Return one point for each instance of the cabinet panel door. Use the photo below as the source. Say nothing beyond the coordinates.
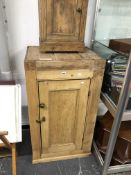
(64, 111)
(60, 19)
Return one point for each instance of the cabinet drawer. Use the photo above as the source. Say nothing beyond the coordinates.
(64, 74)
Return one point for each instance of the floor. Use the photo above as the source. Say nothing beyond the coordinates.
(83, 166)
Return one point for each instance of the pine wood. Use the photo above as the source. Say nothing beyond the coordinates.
(64, 75)
(69, 87)
(92, 108)
(33, 103)
(62, 24)
(61, 157)
(11, 147)
(13, 159)
(64, 126)
(5, 141)
(3, 133)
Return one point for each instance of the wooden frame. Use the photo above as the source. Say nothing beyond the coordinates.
(11, 147)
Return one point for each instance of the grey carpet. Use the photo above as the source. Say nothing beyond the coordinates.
(83, 166)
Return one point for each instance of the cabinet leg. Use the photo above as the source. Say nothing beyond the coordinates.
(13, 159)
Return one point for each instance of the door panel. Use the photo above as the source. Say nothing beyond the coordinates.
(63, 20)
(64, 111)
(62, 116)
(62, 25)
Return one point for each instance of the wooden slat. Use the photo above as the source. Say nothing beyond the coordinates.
(33, 103)
(81, 112)
(3, 133)
(13, 159)
(33, 53)
(5, 141)
(63, 47)
(83, 20)
(70, 156)
(64, 74)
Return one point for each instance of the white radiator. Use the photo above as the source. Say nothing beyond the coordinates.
(10, 112)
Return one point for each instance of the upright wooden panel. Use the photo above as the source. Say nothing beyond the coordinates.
(33, 110)
(62, 24)
(62, 116)
(63, 19)
(65, 111)
(92, 108)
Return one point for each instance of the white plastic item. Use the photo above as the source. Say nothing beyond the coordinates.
(10, 112)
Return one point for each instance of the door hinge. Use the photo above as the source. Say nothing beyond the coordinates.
(43, 119)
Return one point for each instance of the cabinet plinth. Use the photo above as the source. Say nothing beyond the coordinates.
(63, 93)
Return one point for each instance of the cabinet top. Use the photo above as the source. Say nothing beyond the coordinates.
(76, 60)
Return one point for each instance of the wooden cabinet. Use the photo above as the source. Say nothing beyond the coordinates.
(62, 24)
(63, 93)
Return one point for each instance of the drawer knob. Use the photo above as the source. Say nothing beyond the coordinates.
(42, 105)
(41, 120)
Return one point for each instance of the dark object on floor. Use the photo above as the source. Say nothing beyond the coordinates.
(122, 151)
(24, 148)
(129, 104)
(4, 152)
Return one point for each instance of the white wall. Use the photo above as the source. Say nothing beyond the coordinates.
(23, 27)
(23, 31)
(5, 72)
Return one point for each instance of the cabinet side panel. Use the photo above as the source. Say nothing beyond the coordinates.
(32, 94)
(92, 106)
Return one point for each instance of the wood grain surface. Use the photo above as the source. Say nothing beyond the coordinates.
(63, 93)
